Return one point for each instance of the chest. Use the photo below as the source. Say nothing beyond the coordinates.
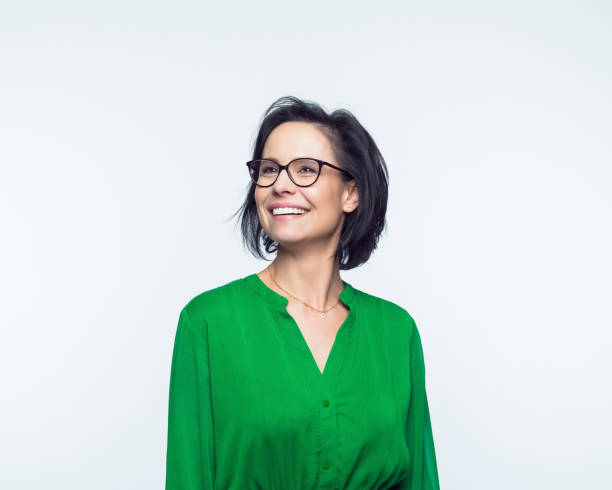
(319, 333)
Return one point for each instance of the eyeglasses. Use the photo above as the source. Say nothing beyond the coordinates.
(303, 172)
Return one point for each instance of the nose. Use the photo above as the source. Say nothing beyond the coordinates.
(283, 181)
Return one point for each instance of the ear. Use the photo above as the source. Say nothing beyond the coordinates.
(351, 197)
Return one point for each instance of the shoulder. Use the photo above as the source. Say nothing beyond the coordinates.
(206, 307)
(387, 311)
(397, 324)
(210, 302)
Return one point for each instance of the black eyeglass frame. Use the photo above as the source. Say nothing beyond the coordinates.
(286, 167)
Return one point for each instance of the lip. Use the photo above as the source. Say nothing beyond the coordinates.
(285, 205)
(287, 217)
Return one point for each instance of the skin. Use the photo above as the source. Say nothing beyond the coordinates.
(304, 264)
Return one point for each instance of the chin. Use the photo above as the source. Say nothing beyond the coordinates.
(288, 240)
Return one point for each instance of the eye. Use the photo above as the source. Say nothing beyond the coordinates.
(306, 166)
(267, 168)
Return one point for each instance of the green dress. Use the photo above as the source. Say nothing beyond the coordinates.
(250, 409)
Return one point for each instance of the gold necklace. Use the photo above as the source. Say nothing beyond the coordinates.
(322, 312)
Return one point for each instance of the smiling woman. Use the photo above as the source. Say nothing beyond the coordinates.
(291, 378)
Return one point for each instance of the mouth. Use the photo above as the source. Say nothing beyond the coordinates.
(288, 216)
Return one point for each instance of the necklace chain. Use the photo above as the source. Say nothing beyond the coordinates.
(322, 312)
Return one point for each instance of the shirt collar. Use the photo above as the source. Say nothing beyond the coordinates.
(253, 281)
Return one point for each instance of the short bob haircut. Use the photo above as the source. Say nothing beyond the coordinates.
(356, 152)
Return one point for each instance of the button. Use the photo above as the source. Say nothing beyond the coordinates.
(326, 403)
(326, 466)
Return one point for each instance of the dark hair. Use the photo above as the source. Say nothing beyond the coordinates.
(356, 153)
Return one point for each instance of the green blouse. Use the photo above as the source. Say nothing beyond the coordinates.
(250, 409)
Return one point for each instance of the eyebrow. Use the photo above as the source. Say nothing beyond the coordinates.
(296, 158)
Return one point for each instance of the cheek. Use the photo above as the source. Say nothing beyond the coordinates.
(258, 200)
(321, 196)
(258, 196)
(328, 202)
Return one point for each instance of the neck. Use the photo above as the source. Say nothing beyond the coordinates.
(314, 279)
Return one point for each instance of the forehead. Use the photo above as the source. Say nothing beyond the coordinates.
(294, 139)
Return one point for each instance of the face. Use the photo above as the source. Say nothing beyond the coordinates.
(325, 201)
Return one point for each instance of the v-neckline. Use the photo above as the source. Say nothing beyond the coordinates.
(292, 333)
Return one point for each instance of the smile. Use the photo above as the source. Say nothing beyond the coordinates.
(285, 214)
(277, 211)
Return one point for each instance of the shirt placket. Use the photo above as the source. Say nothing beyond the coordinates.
(322, 386)
(328, 439)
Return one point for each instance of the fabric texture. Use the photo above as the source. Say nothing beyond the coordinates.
(250, 409)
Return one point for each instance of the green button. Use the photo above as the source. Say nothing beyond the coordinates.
(326, 403)
(326, 466)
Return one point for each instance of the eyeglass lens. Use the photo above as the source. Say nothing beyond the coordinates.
(303, 171)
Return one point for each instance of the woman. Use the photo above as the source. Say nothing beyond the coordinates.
(291, 378)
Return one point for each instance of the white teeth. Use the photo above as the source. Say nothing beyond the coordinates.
(276, 211)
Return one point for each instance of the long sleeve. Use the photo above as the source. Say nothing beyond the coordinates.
(424, 470)
(190, 449)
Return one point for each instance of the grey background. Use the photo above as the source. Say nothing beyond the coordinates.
(124, 128)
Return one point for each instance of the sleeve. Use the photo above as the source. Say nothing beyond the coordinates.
(190, 449)
(419, 435)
